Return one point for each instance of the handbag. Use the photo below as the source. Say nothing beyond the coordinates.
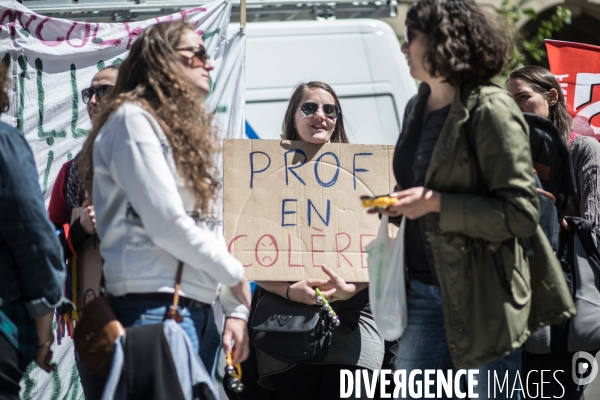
(98, 329)
(387, 288)
(291, 332)
(88, 265)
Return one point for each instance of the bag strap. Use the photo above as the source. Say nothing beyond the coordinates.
(177, 285)
(171, 312)
(102, 280)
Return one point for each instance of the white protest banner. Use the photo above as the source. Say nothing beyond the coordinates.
(290, 207)
(50, 61)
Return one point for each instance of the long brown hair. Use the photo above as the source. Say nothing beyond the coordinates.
(289, 126)
(464, 42)
(149, 77)
(542, 81)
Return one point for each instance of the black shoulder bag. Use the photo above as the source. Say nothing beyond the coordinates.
(291, 332)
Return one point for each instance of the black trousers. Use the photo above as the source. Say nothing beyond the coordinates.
(313, 381)
(12, 368)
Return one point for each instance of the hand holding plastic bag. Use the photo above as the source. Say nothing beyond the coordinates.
(387, 289)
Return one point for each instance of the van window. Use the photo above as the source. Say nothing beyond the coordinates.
(368, 119)
(372, 119)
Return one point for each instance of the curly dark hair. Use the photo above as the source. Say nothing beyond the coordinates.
(289, 126)
(149, 77)
(542, 81)
(464, 43)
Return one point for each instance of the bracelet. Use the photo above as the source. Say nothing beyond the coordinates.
(46, 343)
(287, 292)
(327, 307)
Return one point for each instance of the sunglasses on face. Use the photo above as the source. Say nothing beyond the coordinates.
(308, 109)
(199, 52)
(99, 91)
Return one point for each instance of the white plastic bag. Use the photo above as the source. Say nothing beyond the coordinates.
(387, 290)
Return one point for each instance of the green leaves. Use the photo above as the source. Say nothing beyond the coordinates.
(530, 48)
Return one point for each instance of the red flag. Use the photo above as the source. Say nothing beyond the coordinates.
(577, 68)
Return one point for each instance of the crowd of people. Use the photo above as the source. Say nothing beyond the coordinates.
(482, 276)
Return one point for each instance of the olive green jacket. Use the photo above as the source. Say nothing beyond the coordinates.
(494, 296)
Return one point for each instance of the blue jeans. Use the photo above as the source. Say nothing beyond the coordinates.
(423, 346)
(198, 323)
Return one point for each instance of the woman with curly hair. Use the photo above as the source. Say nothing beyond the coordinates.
(465, 184)
(153, 182)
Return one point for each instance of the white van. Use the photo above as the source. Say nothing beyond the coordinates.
(359, 58)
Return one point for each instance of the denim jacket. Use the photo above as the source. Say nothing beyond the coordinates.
(31, 262)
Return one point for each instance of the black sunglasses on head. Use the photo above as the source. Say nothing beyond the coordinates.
(198, 50)
(309, 108)
(99, 91)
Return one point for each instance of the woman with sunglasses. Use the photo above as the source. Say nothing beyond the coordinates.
(154, 180)
(67, 192)
(314, 115)
(465, 184)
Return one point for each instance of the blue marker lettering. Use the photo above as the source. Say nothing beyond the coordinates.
(291, 169)
(337, 171)
(327, 213)
(355, 170)
(252, 171)
(284, 212)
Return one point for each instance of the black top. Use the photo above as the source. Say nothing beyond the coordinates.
(419, 258)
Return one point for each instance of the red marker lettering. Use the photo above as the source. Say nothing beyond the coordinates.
(340, 252)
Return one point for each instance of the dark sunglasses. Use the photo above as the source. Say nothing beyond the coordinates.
(87, 94)
(198, 50)
(330, 110)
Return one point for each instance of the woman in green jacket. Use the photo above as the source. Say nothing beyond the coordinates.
(466, 185)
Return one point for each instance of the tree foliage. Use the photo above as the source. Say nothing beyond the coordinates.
(530, 48)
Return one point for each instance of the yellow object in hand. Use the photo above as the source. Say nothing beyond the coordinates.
(233, 375)
(379, 202)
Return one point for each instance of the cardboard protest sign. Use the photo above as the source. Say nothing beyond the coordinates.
(290, 207)
(50, 60)
(577, 68)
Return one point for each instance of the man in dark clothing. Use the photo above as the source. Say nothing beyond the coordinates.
(31, 263)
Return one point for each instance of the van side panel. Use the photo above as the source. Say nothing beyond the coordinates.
(360, 59)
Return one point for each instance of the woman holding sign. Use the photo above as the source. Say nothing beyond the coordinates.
(482, 273)
(154, 180)
(314, 115)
